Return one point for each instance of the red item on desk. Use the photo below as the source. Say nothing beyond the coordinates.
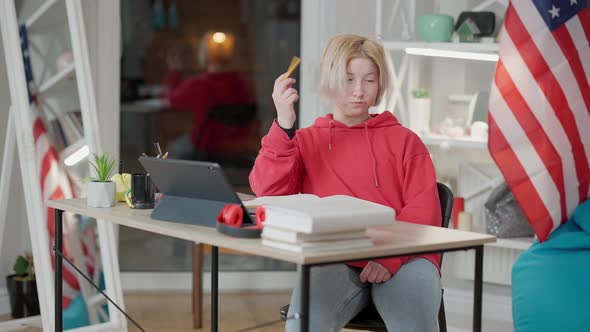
(458, 207)
(233, 215)
(260, 216)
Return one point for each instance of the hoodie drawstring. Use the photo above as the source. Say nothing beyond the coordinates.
(331, 127)
(372, 156)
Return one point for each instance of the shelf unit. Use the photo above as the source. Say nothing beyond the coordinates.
(406, 72)
(445, 142)
(51, 13)
(458, 47)
(55, 28)
(59, 79)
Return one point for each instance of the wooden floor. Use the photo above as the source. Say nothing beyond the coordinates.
(171, 312)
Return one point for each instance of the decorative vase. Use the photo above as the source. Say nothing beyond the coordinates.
(435, 27)
(419, 113)
(101, 194)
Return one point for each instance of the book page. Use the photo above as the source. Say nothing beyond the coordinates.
(286, 200)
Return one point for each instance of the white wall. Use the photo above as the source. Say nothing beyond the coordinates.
(321, 20)
(103, 31)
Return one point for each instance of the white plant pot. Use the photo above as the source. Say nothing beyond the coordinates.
(419, 115)
(101, 194)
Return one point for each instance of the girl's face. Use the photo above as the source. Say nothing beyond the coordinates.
(359, 93)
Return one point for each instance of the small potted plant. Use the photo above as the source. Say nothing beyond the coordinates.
(101, 190)
(419, 111)
(22, 288)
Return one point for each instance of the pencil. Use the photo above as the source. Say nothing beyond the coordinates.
(294, 63)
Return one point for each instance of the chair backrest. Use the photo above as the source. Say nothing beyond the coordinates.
(445, 195)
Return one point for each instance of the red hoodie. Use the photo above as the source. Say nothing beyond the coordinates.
(198, 94)
(378, 160)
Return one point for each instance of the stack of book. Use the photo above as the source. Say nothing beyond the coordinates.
(309, 224)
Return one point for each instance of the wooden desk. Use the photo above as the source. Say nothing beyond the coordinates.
(401, 239)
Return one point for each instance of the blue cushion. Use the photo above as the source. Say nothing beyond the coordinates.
(76, 315)
(551, 280)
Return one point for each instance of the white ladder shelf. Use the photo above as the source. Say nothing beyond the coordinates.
(50, 14)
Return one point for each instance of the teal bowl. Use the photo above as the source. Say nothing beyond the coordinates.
(435, 27)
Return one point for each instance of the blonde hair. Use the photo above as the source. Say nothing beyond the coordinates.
(339, 51)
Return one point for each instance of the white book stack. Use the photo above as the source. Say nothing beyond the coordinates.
(309, 224)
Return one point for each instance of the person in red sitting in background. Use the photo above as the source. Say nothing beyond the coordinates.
(218, 85)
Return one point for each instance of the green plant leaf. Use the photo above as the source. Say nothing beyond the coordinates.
(21, 265)
(103, 166)
(421, 93)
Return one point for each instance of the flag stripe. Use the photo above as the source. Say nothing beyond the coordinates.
(532, 128)
(41, 146)
(38, 129)
(527, 158)
(551, 85)
(576, 29)
(567, 46)
(537, 103)
(582, 18)
(512, 170)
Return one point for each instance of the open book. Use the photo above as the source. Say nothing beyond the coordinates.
(310, 214)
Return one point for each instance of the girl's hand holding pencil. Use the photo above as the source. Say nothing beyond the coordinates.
(285, 96)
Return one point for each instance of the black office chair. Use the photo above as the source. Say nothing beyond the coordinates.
(237, 162)
(368, 319)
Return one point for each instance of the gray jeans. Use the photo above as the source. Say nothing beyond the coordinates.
(407, 302)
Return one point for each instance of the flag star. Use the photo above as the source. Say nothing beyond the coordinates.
(573, 2)
(554, 12)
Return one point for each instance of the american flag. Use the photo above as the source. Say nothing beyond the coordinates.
(538, 112)
(55, 184)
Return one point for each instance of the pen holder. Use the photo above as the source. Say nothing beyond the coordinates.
(142, 192)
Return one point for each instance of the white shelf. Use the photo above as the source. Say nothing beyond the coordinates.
(449, 142)
(458, 47)
(59, 78)
(50, 13)
(518, 243)
(461, 98)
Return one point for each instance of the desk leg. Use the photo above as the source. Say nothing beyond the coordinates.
(478, 289)
(197, 285)
(305, 298)
(214, 287)
(58, 270)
